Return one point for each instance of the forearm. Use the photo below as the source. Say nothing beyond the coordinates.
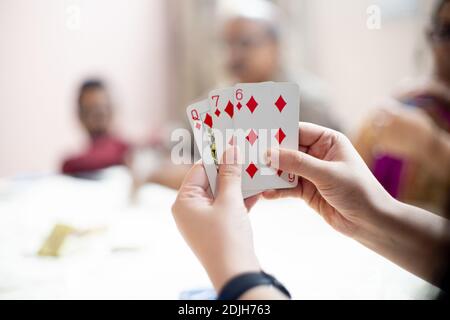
(412, 238)
(170, 176)
(221, 273)
(223, 270)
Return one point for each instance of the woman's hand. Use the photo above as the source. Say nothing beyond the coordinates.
(334, 180)
(399, 130)
(411, 133)
(217, 230)
(406, 133)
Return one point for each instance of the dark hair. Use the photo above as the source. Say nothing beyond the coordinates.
(89, 85)
(437, 10)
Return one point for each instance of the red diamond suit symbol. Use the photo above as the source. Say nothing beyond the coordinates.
(252, 104)
(229, 109)
(280, 136)
(251, 170)
(252, 137)
(208, 120)
(280, 103)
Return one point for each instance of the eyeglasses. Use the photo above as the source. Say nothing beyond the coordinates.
(440, 33)
(248, 41)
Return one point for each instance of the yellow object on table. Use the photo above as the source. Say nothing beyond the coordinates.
(53, 244)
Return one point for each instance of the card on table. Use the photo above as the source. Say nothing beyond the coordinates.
(266, 115)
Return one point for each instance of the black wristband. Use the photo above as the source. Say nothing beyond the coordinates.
(240, 284)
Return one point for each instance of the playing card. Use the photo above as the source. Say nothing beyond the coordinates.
(287, 102)
(266, 115)
(222, 111)
(202, 123)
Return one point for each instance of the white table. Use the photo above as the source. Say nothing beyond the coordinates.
(142, 256)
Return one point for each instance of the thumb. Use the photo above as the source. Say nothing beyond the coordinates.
(229, 177)
(299, 163)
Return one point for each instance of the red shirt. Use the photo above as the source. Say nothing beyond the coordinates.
(104, 151)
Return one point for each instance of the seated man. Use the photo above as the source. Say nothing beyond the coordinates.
(95, 114)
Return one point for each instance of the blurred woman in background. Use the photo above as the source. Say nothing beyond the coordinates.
(406, 143)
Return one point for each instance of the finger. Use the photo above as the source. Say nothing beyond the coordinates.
(303, 149)
(251, 201)
(298, 163)
(281, 193)
(209, 192)
(196, 177)
(229, 176)
(309, 133)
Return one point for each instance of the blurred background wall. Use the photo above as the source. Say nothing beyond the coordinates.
(157, 56)
(361, 65)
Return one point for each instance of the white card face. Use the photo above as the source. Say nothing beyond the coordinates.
(222, 111)
(202, 122)
(287, 101)
(265, 115)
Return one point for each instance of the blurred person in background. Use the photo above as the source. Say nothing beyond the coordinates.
(406, 143)
(95, 113)
(251, 34)
(146, 163)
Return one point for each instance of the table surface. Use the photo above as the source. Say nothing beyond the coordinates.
(140, 254)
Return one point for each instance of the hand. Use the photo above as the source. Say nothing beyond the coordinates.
(336, 183)
(217, 230)
(399, 130)
(334, 179)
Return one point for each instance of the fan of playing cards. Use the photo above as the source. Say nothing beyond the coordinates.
(255, 117)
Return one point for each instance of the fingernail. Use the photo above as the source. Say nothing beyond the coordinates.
(272, 158)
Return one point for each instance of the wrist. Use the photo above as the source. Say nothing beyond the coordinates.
(221, 272)
(380, 211)
(262, 293)
(253, 285)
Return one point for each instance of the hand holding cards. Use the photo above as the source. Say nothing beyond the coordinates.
(255, 117)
